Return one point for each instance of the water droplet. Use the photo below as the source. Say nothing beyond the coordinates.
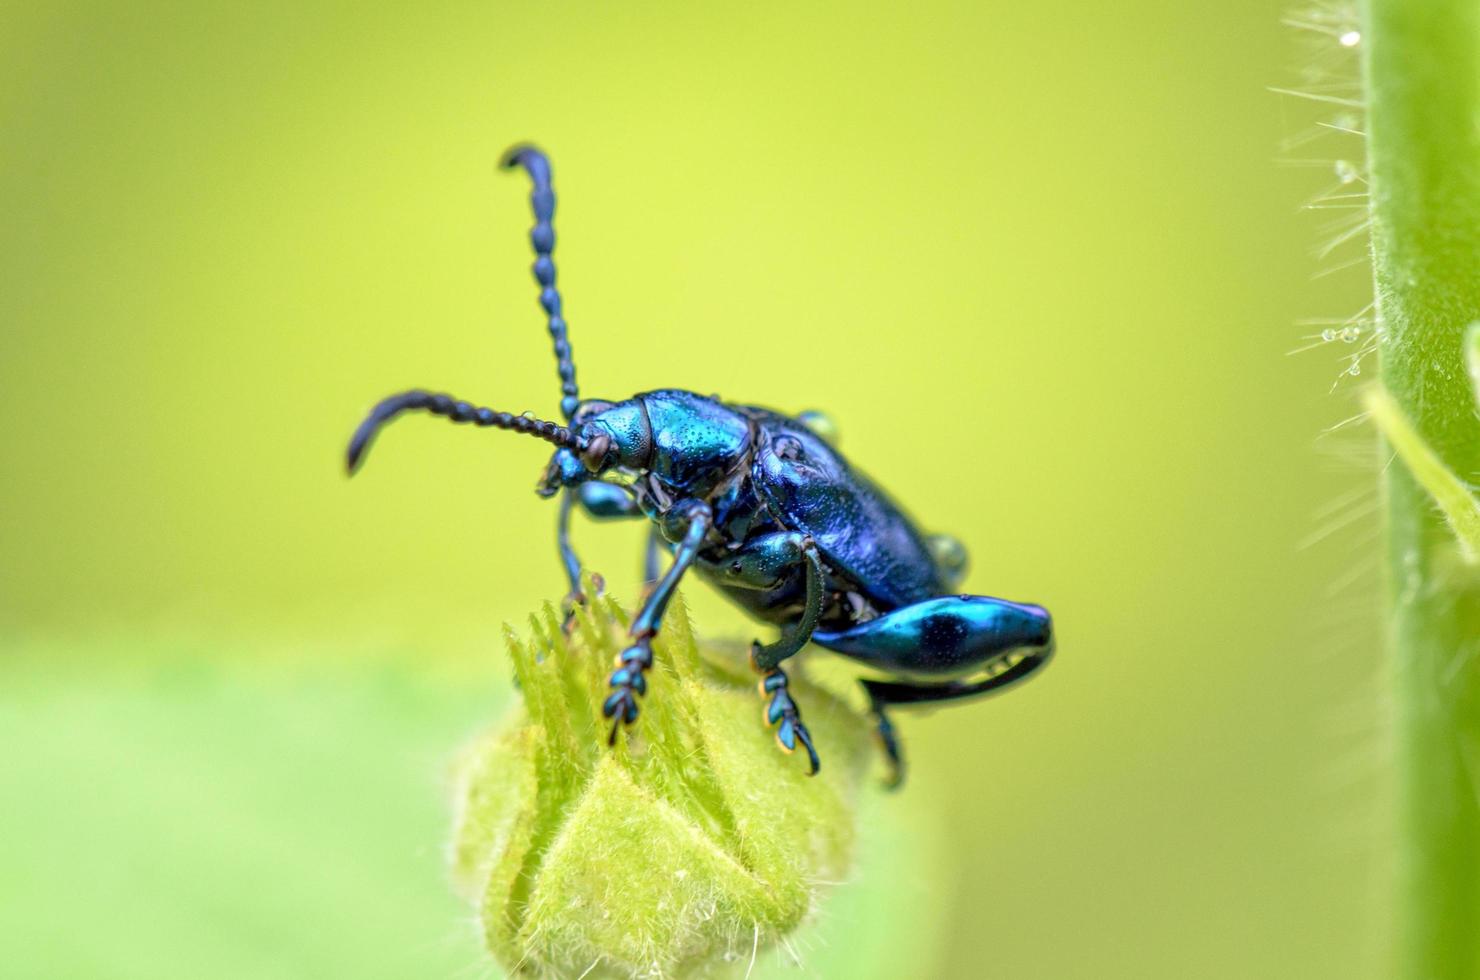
(1346, 171)
(1349, 335)
(1350, 39)
(1328, 335)
(1354, 370)
(1346, 120)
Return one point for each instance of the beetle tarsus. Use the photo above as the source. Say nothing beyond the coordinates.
(782, 711)
(630, 681)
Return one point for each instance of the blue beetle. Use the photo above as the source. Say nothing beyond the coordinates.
(764, 507)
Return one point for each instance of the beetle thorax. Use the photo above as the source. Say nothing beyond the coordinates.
(698, 443)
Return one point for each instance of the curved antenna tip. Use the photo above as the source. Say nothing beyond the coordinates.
(354, 453)
(514, 155)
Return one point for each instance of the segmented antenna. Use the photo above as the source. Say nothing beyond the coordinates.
(542, 237)
(457, 411)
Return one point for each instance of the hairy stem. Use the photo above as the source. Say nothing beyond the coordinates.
(1422, 72)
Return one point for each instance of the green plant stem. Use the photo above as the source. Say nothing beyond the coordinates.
(1422, 71)
(1472, 359)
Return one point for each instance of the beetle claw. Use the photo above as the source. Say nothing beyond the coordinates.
(783, 712)
(805, 737)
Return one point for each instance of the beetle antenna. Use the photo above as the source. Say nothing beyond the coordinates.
(457, 411)
(542, 237)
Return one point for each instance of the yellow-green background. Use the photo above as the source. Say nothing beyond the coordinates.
(1037, 260)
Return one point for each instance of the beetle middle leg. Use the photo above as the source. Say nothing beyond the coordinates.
(888, 741)
(767, 563)
(633, 663)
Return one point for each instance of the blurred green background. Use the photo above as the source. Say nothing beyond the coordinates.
(1039, 261)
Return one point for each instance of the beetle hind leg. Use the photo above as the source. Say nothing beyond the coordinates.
(942, 649)
(888, 741)
(883, 695)
(946, 638)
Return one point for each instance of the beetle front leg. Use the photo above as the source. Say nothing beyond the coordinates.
(568, 558)
(599, 501)
(782, 710)
(630, 677)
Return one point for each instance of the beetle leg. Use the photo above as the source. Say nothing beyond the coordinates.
(885, 694)
(950, 558)
(821, 424)
(794, 636)
(947, 638)
(599, 501)
(888, 741)
(607, 502)
(570, 560)
(782, 709)
(650, 560)
(951, 639)
(784, 713)
(629, 679)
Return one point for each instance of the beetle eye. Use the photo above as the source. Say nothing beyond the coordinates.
(594, 455)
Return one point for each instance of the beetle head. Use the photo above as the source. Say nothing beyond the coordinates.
(614, 444)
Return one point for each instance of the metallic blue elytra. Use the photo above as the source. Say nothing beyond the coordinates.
(763, 507)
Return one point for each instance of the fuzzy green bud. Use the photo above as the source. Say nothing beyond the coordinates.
(677, 852)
